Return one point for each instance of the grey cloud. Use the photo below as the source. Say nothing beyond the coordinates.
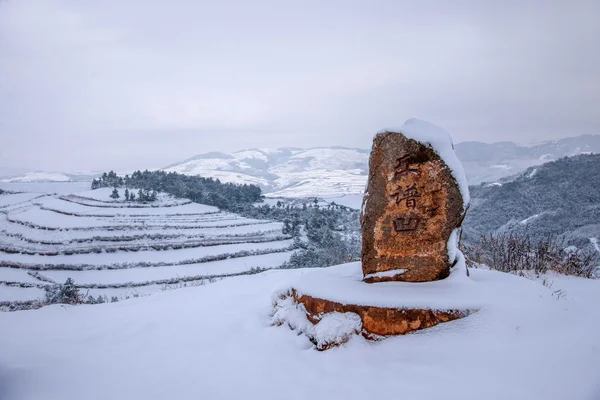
(88, 84)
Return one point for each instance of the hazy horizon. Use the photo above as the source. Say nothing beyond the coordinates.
(90, 85)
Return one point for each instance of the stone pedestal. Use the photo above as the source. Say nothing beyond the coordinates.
(376, 311)
(379, 322)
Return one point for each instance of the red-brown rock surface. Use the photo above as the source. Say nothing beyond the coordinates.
(411, 208)
(377, 321)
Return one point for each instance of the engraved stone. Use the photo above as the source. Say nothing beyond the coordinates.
(412, 206)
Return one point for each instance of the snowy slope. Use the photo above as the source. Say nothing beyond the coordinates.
(286, 172)
(112, 245)
(216, 342)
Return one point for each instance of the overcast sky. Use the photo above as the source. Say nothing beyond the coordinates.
(90, 84)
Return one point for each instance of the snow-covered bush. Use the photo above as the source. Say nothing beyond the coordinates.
(66, 293)
(513, 252)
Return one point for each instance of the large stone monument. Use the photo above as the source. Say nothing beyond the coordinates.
(412, 208)
(414, 204)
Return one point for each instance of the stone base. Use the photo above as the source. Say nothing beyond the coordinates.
(331, 305)
(378, 322)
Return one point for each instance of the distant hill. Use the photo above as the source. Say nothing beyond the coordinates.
(338, 170)
(485, 162)
(289, 172)
(335, 171)
(43, 176)
(560, 197)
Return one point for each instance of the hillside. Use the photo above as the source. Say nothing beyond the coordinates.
(560, 198)
(115, 249)
(327, 171)
(288, 172)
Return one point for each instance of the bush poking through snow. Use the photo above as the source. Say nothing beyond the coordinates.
(518, 252)
(67, 293)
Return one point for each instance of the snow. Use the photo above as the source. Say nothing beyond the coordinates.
(170, 240)
(441, 142)
(191, 216)
(44, 218)
(7, 199)
(46, 187)
(15, 293)
(529, 219)
(164, 257)
(103, 195)
(349, 200)
(16, 275)
(40, 177)
(452, 245)
(150, 232)
(300, 173)
(386, 274)
(532, 174)
(343, 284)
(334, 327)
(153, 274)
(216, 342)
(79, 209)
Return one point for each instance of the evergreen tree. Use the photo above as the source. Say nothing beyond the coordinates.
(115, 194)
(126, 194)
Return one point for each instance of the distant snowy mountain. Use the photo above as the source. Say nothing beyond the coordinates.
(44, 176)
(39, 177)
(485, 162)
(289, 172)
(327, 171)
(338, 171)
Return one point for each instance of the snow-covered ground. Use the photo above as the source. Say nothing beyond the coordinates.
(108, 245)
(45, 187)
(216, 342)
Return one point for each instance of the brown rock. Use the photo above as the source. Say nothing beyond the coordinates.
(377, 321)
(411, 207)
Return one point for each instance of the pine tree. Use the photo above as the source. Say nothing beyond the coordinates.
(126, 194)
(115, 194)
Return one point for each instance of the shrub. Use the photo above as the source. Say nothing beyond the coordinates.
(510, 252)
(66, 293)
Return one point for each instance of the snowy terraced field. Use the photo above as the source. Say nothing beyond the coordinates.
(126, 249)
